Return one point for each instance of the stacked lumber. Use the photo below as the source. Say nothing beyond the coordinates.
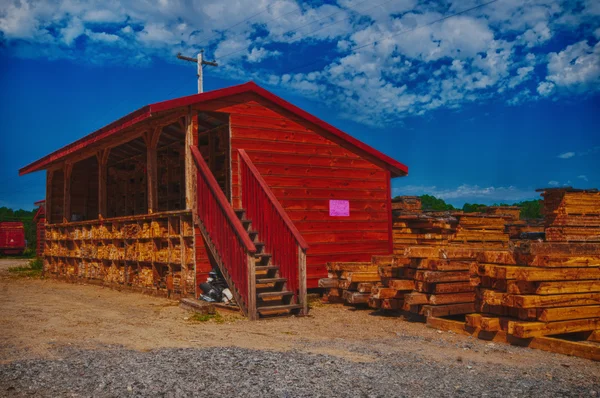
(407, 203)
(525, 229)
(539, 289)
(411, 226)
(509, 212)
(396, 281)
(349, 283)
(429, 281)
(477, 229)
(572, 215)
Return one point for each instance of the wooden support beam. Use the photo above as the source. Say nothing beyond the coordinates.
(151, 138)
(67, 169)
(49, 176)
(191, 139)
(302, 280)
(102, 158)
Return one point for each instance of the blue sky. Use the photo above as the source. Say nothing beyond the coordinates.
(484, 102)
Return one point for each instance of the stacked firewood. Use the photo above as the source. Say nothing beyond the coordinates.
(572, 215)
(539, 288)
(349, 283)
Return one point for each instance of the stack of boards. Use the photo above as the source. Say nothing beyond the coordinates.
(572, 215)
(411, 226)
(349, 283)
(428, 281)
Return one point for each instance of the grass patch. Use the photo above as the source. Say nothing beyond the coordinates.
(315, 301)
(28, 253)
(32, 270)
(217, 318)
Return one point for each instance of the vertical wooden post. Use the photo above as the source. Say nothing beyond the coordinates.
(68, 167)
(302, 280)
(191, 137)
(252, 314)
(151, 139)
(102, 158)
(49, 176)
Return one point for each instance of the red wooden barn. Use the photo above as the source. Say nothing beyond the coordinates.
(272, 192)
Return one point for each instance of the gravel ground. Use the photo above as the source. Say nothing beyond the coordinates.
(237, 372)
(59, 339)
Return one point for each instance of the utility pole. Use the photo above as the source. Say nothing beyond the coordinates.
(201, 62)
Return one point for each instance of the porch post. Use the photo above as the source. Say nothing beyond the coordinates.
(151, 139)
(68, 167)
(191, 138)
(49, 177)
(102, 158)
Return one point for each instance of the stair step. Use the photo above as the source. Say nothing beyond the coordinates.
(274, 294)
(263, 281)
(259, 268)
(278, 308)
(262, 258)
(240, 213)
(246, 223)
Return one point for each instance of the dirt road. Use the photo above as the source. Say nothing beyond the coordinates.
(46, 322)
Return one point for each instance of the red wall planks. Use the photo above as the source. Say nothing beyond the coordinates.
(306, 170)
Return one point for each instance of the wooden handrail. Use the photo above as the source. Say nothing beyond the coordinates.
(282, 213)
(222, 201)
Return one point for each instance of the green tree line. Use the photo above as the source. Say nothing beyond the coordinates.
(529, 208)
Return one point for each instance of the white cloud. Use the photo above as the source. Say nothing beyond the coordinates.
(545, 88)
(553, 183)
(583, 177)
(375, 62)
(566, 155)
(577, 67)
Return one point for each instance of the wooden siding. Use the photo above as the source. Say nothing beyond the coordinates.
(305, 170)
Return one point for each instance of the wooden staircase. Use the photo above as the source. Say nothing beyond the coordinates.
(259, 251)
(272, 296)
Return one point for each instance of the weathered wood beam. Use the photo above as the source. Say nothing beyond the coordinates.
(102, 158)
(67, 169)
(49, 176)
(191, 139)
(151, 138)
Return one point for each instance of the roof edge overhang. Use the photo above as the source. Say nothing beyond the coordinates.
(396, 168)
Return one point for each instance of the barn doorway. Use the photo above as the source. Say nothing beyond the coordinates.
(214, 143)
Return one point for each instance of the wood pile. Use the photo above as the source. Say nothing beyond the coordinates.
(349, 283)
(411, 226)
(428, 281)
(572, 215)
(525, 229)
(539, 289)
(477, 229)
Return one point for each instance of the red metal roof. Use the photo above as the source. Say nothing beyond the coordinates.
(396, 168)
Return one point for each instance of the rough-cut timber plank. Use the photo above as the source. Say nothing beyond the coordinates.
(356, 297)
(559, 287)
(568, 313)
(560, 300)
(328, 283)
(441, 288)
(352, 266)
(401, 284)
(443, 265)
(450, 309)
(535, 329)
(437, 276)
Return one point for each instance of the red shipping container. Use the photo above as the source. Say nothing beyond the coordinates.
(12, 237)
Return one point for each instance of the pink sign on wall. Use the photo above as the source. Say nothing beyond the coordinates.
(339, 208)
